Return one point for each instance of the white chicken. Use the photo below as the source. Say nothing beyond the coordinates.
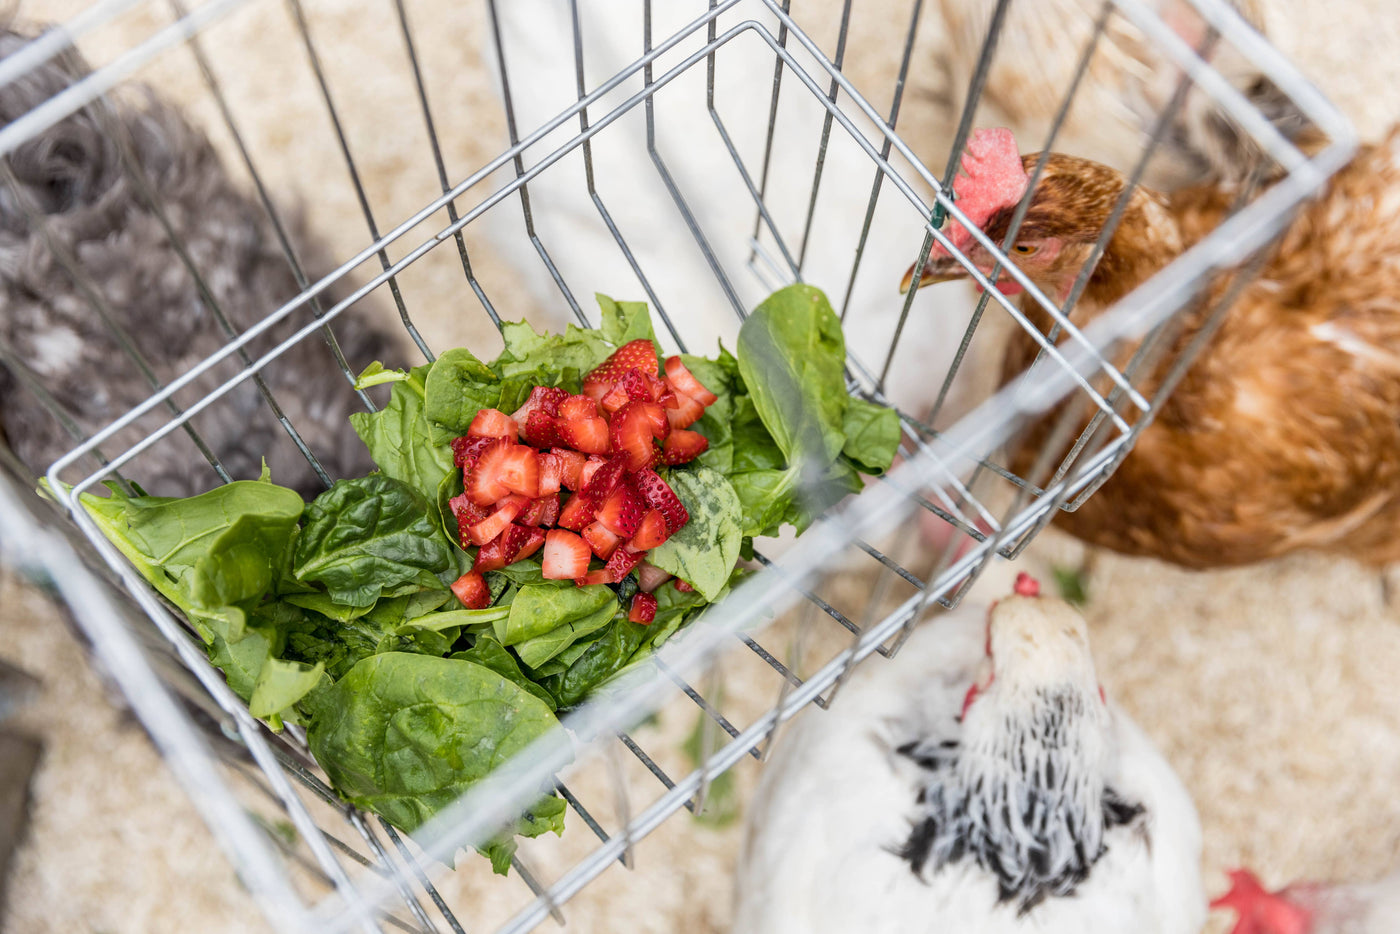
(978, 783)
(1312, 908)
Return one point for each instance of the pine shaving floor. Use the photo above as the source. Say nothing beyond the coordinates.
(1271, 689)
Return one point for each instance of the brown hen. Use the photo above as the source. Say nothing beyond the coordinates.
(1285, 433)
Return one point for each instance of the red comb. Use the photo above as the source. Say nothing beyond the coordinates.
(1026, 585)
(1260, 911)
(993, 178)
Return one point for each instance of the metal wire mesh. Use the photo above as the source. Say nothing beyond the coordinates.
(637, 162)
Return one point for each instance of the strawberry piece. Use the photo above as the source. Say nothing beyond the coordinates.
(621, 564)
(492, 423)
(639, 354)
(589, 435)
(551, 473)
(621, 512)
(520, 471)
(546, 399)
(484, 483)
(591, 466)
(633, 428)
(578, 407)
(533, 542)
(643, 609)
(637, 386)
(604, 481)
(682, 447)
(468, 514)
(577, 512)
(600, 576)
(541, 430)
(601, 540)
(682, 380)
(571, 467)
(466, 451)
(656, 494)
(651, 532)
(566, 556)
(494, 555)
(496, 523)
(615, 399)
(472, 591)
(542, 511)
(686, 413)
(650, 577)
(682, 586)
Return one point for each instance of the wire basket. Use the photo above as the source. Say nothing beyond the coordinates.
(697, 156)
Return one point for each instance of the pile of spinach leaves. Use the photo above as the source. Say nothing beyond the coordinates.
(336, 614)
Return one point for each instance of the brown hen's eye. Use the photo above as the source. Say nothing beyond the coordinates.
(1025, 249)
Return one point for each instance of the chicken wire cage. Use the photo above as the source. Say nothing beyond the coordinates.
(693, 155)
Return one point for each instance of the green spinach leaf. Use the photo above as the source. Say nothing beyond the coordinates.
(543, 607)
(872, 436)
(537, 650)
(457, 387)
(399, 437)
(704, 550)
(489, 653)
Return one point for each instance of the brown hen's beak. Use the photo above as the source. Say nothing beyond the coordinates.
(937, 269)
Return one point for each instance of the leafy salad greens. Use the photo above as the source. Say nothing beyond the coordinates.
(337, 614)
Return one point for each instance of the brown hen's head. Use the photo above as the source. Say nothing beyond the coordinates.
(1068, 210)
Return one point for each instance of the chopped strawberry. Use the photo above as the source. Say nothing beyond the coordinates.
(650, 577)
(465, 451)
(621, 512)
(534, 541)
(471, 589)
(589, 435)
(484, 482)
(520, 471)
(570, 466)
(495, 554)
(546, 399)
(468, 514)
(496, 523)
(686, 412)
(591, 466)
(551, 473)
(492, 423)
(601, 540)
(578, 407)
(540, 430)
(682, 586)
(643, 609)
(577, 512)
(651, 532)
(566, 556)
(604, 480)
(682, 447)
(615, 398)
(621, 564)
(637, 385)
(543, 511)
(639, 354)
(633, 428)
(600, 576)
(656, 494)
(684, 381)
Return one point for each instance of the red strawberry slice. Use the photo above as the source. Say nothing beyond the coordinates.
(546, 399)
(533, 542)
(684, 381)
(471, 589)
(621, 512)
(551, 473)
(633, 428)
(542, 511)
(643, 609)
(484, 482)
(578, 407)
(496, 523)
(590, 466)
(686, 413)
(494, 555)
(540, 429)
(566, 556)
(468, 514)
(639, 354)
(614, 399)
(577, 512)
(637, 385)
(682, 447)
(520, 471)
(589, 435)
(657, 494)
(650, 577)
(604, 481)
(492, 423)
(602, 541)
(600, 576)
(465, 450)
(621, 564)
(571, 467)
(651, 532)
(682, 586)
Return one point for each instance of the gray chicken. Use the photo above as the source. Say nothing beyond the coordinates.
(87, 264)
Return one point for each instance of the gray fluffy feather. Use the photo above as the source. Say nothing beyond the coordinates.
(73, 177)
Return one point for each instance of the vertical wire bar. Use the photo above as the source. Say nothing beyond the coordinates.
(415, 908)
(577, 805)
(422, 877)
(519, 163)
(541, 892)
(772, 123)
(441, 164)
(273, 215)
(833, 91)
(302, 26)
(622, 802)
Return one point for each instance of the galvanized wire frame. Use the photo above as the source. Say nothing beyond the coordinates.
(362, 883)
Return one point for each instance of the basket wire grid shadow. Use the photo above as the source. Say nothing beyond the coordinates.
(315, 864)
